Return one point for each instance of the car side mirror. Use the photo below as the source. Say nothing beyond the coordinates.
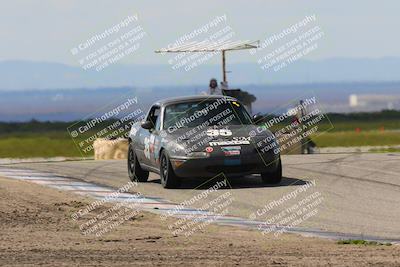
(257, 118)
(147, 125)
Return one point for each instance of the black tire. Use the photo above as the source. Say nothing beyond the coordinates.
(167, 174)
(135, 172)
(274, 177)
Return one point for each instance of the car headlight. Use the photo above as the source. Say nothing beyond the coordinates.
(198, 154)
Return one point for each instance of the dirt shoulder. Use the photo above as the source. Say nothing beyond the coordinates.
(37, 229)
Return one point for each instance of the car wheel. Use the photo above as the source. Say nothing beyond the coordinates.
(274, 177)
(135, 172)
(167, 174)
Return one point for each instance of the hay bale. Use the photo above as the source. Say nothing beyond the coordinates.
(110, 149)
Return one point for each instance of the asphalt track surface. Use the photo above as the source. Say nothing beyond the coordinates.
(360, 192)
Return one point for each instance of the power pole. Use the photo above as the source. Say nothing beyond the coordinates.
(223, 66)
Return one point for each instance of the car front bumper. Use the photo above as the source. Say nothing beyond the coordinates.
(225, 165)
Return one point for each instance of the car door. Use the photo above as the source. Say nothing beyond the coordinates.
(147, 138)
(155, 139)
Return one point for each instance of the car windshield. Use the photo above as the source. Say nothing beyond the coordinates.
(205, 112)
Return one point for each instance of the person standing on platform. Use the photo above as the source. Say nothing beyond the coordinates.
(213, 88)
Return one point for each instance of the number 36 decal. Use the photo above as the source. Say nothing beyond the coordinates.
(217, 132)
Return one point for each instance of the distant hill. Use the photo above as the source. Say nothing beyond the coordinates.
(17, 75)
(75, 104)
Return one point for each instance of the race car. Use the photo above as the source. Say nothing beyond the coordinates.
(201, 136)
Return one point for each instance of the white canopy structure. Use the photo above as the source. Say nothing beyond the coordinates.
(206, 46)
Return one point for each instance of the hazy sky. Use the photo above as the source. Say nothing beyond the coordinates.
(46, 30)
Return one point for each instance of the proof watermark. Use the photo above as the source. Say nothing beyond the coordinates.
(111, 45)
(202, 127)
(111, 122)
(281, 49)
(211, 206)
(289, 211)
(199, 45)
(101, 218)
(294, 126)
(109, 219)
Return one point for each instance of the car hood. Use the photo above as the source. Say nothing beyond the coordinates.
(199, 139)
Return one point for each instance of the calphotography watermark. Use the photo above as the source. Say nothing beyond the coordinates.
(111, 45)
(291, 128)
(211, 206)
(107, 213)
(203, 128)
(202, 40)
(292, 209)
(281, 49)
(111, 122)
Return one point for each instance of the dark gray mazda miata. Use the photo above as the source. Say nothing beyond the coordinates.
(201, 136)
